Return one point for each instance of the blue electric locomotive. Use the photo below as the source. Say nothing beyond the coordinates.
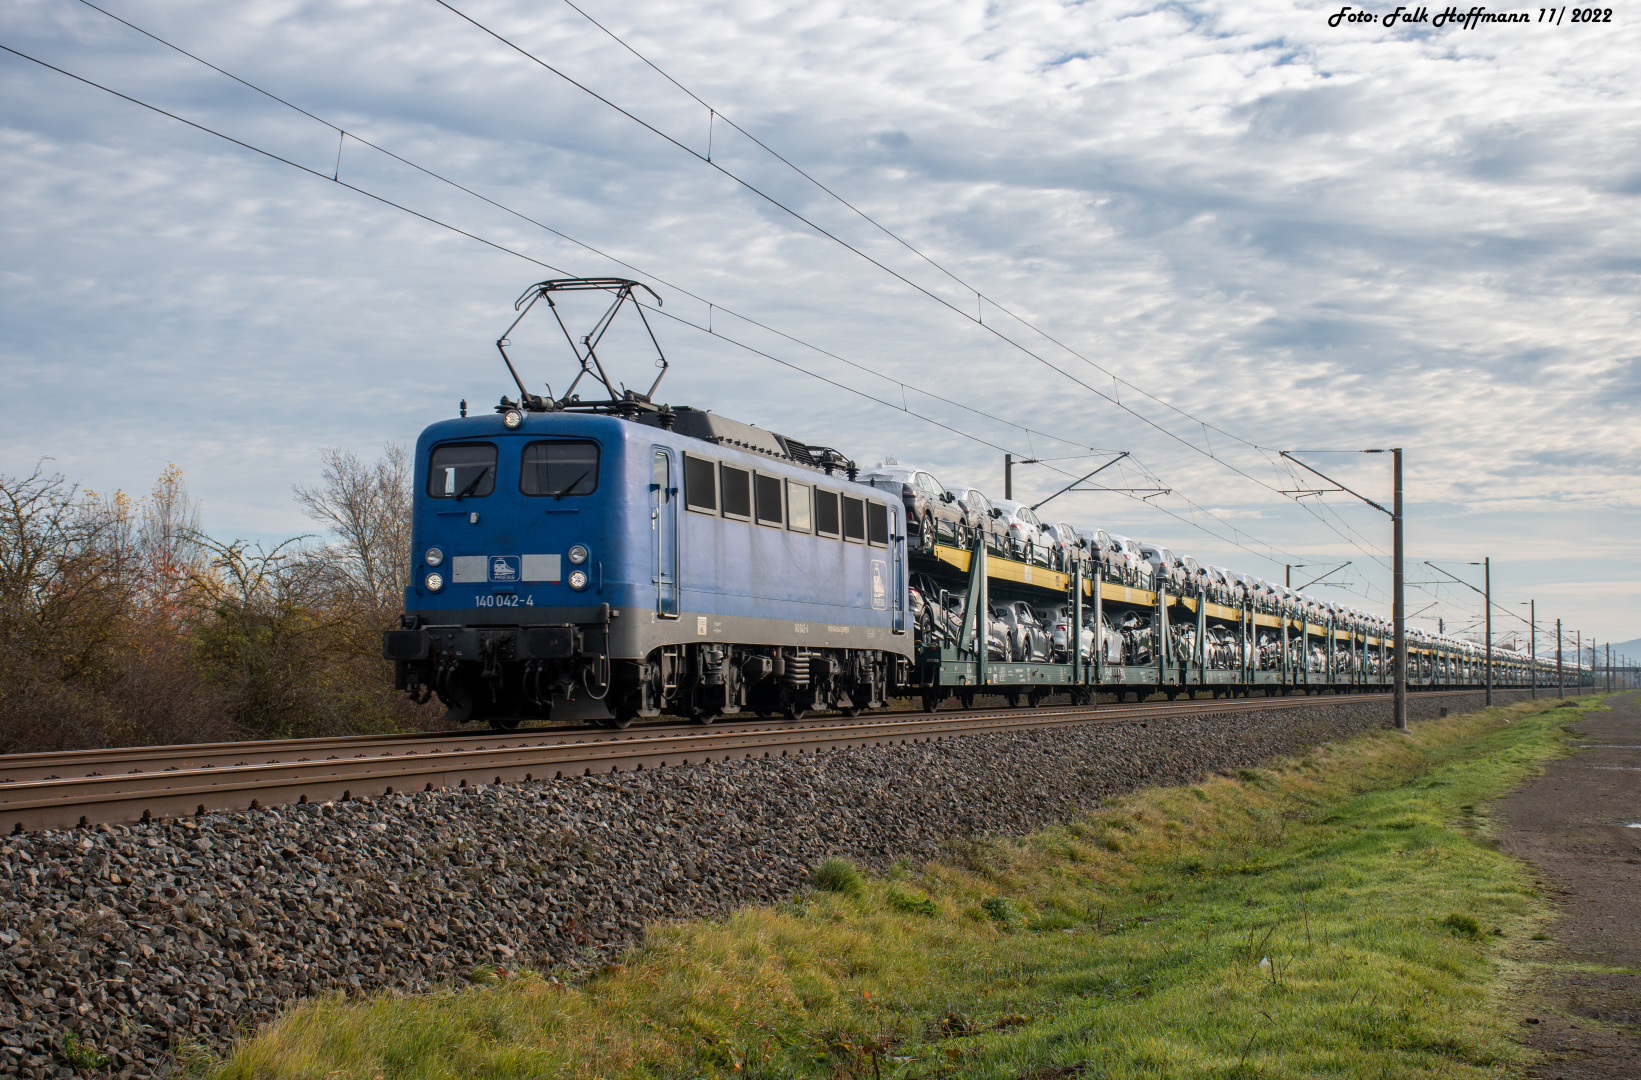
(634, 560)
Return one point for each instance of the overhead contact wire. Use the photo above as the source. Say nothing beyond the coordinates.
(559, 270)
(572, 240)
(620, 262)
(875, 262)
(751, 321)
(718, 114)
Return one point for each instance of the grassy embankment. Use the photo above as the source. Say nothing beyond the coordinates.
(1340, 914)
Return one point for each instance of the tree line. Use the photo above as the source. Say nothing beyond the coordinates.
(123, 622)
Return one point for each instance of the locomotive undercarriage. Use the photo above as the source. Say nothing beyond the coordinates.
(496, 676)
(707, 680)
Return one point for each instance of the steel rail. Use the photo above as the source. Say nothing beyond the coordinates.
(54, 765)
(59, 764)
(497, 757)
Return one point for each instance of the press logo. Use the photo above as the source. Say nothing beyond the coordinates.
(504, 568)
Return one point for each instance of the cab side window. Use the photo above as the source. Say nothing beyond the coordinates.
(462, 471)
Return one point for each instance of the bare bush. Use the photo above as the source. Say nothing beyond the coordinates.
(366, 508)
(123, 623)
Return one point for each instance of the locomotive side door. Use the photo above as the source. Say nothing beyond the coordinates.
(664, 533)
(897, 548)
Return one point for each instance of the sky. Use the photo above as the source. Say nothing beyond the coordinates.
(1201, 233)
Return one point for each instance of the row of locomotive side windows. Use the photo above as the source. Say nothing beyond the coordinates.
(724, 490)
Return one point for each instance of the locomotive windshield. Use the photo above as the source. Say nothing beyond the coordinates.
(559, 469)
(462, 471)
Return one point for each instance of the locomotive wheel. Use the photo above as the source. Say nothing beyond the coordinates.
(703, 716)
(620, 720)
(794, 712)
(851, 711)
(504, 723)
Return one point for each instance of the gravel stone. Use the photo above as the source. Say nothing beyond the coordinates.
(138, 938)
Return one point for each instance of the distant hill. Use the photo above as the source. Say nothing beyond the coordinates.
(1631, 649)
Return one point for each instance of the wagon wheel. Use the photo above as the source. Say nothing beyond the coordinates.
(967, 698)
(930, 702)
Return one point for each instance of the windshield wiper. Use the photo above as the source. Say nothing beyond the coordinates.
(470, 488)
(567, 488)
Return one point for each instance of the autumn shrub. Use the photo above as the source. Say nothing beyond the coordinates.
(122, 622)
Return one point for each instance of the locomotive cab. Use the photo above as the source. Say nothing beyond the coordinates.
(512, 524)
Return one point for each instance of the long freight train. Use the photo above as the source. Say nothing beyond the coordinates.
(617, 559)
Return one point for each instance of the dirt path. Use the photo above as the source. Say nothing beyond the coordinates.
(1573, 825)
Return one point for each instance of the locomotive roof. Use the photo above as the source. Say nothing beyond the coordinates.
(682, 420)
(710, 427)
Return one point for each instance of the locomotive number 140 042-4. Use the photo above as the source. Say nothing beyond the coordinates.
(504, 600)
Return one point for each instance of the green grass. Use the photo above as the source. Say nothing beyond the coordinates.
(839, 876)
(1341, 914)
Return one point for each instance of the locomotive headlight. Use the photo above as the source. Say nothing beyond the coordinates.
(578, 554)
(578, 580)
(434, 582)
(512, 418)
(434, 557)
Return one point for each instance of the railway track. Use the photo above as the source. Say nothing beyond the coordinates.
(64, 790)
